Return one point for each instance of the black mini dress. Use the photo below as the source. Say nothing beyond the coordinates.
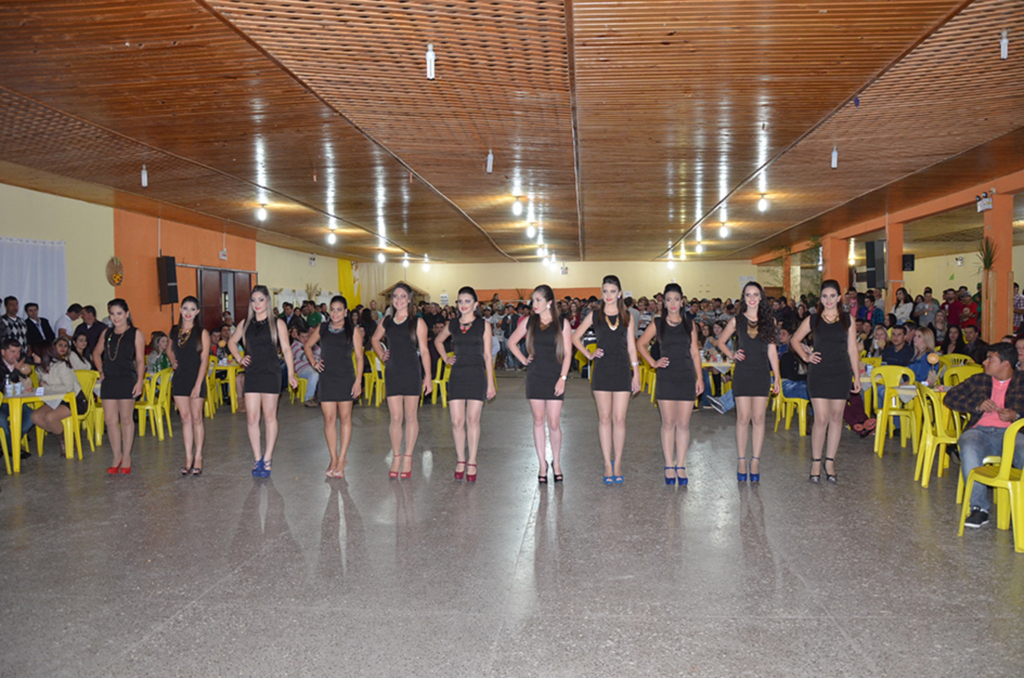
(339, 375)
(544, 371)
(263, 373)
(677, 381)
(832, 378)
(120, 373)
(468, 380)
(752, 376)
(189, 356)
(403, 372)
(612, 370)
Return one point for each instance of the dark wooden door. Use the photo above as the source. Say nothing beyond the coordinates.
(243, 287)
(210, 297)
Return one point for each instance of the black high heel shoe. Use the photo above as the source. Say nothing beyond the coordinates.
(815, 478)
(830, 477)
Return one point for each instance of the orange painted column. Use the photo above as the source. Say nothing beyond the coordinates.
(893, 262)
(997, 284)
(787, 275)
(835, 260)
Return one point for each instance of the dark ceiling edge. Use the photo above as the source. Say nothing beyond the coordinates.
(835, 111)
(570, 45)
(214, 170)
(886, 187)
(284, 69)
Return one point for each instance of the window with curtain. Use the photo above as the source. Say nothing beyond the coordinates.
(34, 271)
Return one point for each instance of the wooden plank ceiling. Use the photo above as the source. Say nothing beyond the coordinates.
(625, 126)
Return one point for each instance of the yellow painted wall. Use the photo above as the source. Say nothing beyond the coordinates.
(697, 278)
(87, 231)
(287, 269)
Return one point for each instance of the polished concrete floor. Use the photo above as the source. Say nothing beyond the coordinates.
(158, 575)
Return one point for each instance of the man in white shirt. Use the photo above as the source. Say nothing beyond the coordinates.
(64, 327)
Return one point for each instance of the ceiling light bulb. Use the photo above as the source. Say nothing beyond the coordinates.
(835, 157)
(700, 236)
(530, 214)
(682, 252)
(723, 215)
(426, 263)
(380, 257)
(762, 204)
(431, 57)
(490, 162)
(546, 261)
(517, 207)
(671, 264)
(145, 177)
(540, 237)
(331, 238)
(723, 232)
(531, 231)
(1004, 45)
(699, 249)
(405, 261)
(545, 250)
(261, 213)
(540, 251)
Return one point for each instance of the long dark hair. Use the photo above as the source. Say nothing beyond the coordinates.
(337, 298)
(471, 292)
(123, 305)
(533, 323)
(621, 305)
(687, 323)
(413, 319)
(765, 322)
(843, 315)
(184, 301)
(47, 354)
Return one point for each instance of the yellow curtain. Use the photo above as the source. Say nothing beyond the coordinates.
(346, 282)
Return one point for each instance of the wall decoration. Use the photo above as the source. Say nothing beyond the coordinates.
(115, 271)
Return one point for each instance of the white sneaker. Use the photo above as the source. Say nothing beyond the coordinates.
(716, 404)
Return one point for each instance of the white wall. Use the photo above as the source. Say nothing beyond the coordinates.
(940, 273)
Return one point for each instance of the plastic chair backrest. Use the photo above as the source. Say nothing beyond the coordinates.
(874, 362)
(87, 380)
(955, 375)
(1009, 447)
(891, 376)
(149, 389)
(165, 377)
(931, 406)
(954, 360)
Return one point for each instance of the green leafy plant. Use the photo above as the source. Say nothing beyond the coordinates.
(987, 252)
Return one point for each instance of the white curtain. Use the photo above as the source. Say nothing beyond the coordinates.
(370, 280)
(34, 271)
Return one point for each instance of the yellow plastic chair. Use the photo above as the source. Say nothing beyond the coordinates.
(87, 380)
(955, 360)
(891, 377)
(590, 364)
(149, 406)
(374, 380)
(868, 394)
(954, 375)
(165, 397)
(1000, 474)
(3, 444)
(787, 407)
(440, 382)
(581, 362)
(936, 434)
(299, 391)
(212, 395)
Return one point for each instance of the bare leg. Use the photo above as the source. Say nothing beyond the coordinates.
(110, 412)
(604, 428)
(252, 423)
(835, 430)
(620, 403)
(819, 431)
(125, 408)
(473, 410)
(458, 414)
(51, 421)
(397, 409)
(198, 429)
(268, 403)
(757, 415)
(187, 435)
(554, 411)
(539, 438)
(683, 435)
(669, 417)
(412, 429)
(330, 411)
(345, 417)
(744, 406)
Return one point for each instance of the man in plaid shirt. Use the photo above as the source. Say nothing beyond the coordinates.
(994, 400)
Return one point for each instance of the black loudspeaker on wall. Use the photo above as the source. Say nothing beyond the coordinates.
(168, 277)
(908, 262)
(876, 275)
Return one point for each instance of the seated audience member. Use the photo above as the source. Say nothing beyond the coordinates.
(890, 321)
(77, 356)
(15, 369)
(878, 342)
(994, 399)
(303, 370)
(974, 346)
(55, 374)
(1019, 345)
(924, 346)
(939, 326)
(898, 352)
(954, 342)
(968, 310)
(66, 323)
(791, 368)
(90, 327)
(37, 330)
(11, 326)
(157, 358)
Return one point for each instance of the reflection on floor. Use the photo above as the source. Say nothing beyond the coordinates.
(155, 574)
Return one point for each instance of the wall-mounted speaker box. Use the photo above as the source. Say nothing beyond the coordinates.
(875, 271)
(167, 274)
(908, 262)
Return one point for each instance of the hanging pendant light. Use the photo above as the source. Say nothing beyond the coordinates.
(762, 204)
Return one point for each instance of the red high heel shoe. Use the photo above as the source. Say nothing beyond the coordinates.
(406, 474)
(126, 471)
(114, 469)
(459, 474)
(471, 477)
(394, 474)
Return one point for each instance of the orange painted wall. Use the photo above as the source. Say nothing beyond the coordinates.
(137, 243)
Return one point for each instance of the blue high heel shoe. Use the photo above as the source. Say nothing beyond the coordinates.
(608, 480)
(257, 470)
(741, 477)
(670, 481)
(755, 477)
(618, 479)
(681, 481)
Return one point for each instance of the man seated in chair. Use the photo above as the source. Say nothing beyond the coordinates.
(994, 400)
(15, 369)
(791, 368)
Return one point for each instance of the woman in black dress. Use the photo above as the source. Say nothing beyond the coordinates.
(340, 382)
(189, 351)
(756, 360)
(263, 336)
(612, 384)
(680, 380)
(471, 380)
(406, 374)
(120, 355)
(549, 356)
(833, 372)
